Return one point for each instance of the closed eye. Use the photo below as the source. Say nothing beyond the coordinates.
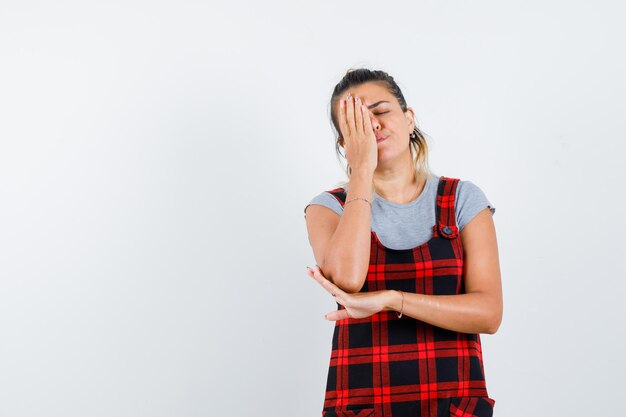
(376, 114)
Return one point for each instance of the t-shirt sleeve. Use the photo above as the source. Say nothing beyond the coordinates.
(326, 199)
(470, 200)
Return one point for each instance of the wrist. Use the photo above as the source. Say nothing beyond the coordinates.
(393, 300)
(362, 175)
(361, 185)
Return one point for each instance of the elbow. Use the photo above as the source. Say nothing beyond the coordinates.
(494, 322)
(348, 281)
(352, 286)
(491, 314)
(492, 330)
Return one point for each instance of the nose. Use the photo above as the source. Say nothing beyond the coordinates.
(375, 123)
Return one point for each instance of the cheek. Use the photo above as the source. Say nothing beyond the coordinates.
(396, 125)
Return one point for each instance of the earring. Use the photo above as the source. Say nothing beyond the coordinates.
(413, 135)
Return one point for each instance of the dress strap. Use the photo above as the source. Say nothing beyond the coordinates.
(445, 211)
(340, 194)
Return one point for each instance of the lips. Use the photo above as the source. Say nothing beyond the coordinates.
(380, 138)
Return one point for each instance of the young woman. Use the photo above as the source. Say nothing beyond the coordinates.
(411, 259)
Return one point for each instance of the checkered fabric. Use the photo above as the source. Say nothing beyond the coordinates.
(385, 366)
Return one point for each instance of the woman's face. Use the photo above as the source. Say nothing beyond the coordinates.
(388, 120)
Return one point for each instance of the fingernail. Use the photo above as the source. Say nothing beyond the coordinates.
(326, 316)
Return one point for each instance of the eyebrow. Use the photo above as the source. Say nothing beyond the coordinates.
(371, 106)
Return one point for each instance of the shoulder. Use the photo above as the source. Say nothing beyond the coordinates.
(470, 199)
(330, 199)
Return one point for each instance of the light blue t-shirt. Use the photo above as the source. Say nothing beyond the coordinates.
(406, 226)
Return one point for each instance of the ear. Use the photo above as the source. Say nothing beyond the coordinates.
(410, 118)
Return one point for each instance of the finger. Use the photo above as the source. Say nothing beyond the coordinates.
(367, 121)
(328, 282)
(337, 315)
(343, 126)
(316, 275)
(358, 116)
(328, 286)
(350, 114)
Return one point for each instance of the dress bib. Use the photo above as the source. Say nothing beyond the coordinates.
(385, 366)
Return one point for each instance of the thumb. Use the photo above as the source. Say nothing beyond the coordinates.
(337, 315)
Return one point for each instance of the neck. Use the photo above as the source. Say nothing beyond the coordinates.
(398, 183)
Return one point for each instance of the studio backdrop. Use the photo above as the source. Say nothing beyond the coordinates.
(156, 158)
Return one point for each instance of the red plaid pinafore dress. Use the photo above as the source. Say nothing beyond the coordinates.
(385, 366)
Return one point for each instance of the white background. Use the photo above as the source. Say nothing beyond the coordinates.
(155, 159)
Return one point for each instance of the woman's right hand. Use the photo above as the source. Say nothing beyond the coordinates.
(359, 139)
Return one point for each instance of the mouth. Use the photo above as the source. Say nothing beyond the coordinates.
(380, 138)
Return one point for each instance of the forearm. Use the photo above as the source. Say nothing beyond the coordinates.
(347, 256)
(465, 313)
